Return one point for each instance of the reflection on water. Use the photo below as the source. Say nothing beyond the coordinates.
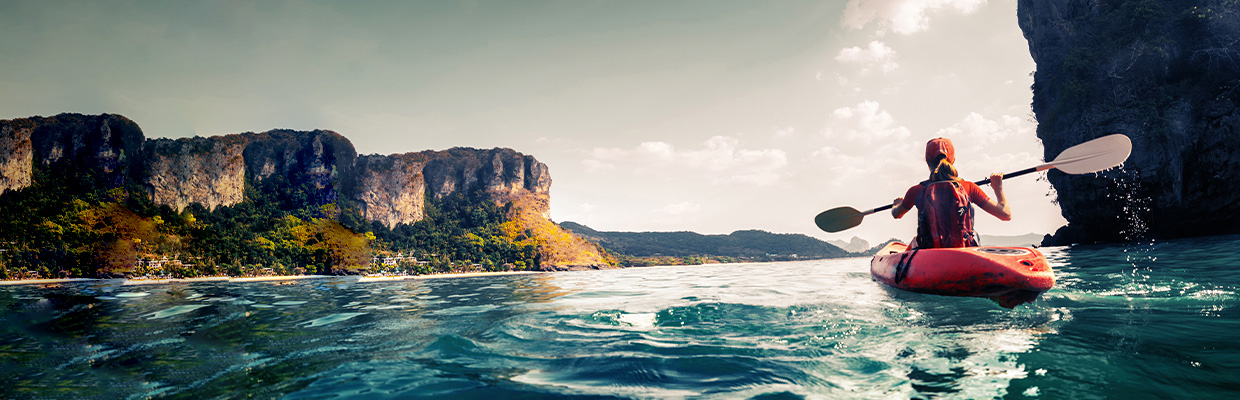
(1151, 320)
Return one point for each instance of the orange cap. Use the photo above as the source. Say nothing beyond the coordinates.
(938, 146)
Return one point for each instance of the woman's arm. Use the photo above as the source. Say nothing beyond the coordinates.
(897, 208)
(997, 207)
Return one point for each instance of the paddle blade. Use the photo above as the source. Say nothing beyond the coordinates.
(1095, 155)
(838, 219)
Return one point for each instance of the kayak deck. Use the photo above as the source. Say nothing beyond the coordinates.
(1008, 275)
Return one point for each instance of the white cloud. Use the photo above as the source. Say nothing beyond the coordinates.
(876, 53)
(720, 161)
(901, 16)
(866, 123)
(657, 150)
(999, 145)
(977, 130)
(842, 80)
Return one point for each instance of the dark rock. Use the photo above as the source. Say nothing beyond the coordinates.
(1165, 73)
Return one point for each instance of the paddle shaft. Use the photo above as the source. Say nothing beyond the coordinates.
(1025, 171)
(986, 181)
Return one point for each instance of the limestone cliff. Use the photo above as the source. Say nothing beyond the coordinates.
(391, 189)
(502, 173)
(322, 158)
(97, 149)
(212, 171)
(208, 171)
(1165, 73)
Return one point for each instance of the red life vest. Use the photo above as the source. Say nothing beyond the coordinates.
(944, 216)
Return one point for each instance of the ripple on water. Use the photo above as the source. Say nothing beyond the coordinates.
(178, 310)
(331, 319)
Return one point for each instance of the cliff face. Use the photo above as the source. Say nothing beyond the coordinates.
(1165, 73)
(97, 148)
(212, 171)
(391, 188)
(196, 170)
(322, 158)
(502, 173)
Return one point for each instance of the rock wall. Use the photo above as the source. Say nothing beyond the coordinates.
(323, 158)
(502, 173)
(212, 170)
(208, 171)
(1165, 73)
(98, 149)
(17, 160)
(391, 189)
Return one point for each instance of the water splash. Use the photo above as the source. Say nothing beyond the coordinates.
(1135, 206)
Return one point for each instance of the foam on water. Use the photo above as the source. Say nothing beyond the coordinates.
(178, 310)
(331, 319)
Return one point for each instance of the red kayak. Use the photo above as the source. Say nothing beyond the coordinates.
(1010, 276)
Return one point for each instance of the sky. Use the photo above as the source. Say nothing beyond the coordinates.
(706, 116)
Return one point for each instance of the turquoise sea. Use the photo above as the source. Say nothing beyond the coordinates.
(1150, 320)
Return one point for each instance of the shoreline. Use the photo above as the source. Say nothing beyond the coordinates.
(359, 278)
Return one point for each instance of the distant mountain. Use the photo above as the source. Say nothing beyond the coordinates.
(747, 244)
(1026, 240)
(856, 245)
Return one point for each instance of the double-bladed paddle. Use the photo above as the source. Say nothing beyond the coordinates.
(1095, 155)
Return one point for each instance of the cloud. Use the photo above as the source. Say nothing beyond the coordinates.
(901, 16)
(866, 123)
(876, 53)
(721, 160)
(657, 150)
(976, 129)
(996, 145)
(867, 149)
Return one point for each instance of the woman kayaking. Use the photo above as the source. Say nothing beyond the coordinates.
(944, 202)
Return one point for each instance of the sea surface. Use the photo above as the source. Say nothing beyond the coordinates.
(1149, 320)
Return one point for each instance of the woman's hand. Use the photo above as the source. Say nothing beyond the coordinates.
(998, 207)
(896, 210)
